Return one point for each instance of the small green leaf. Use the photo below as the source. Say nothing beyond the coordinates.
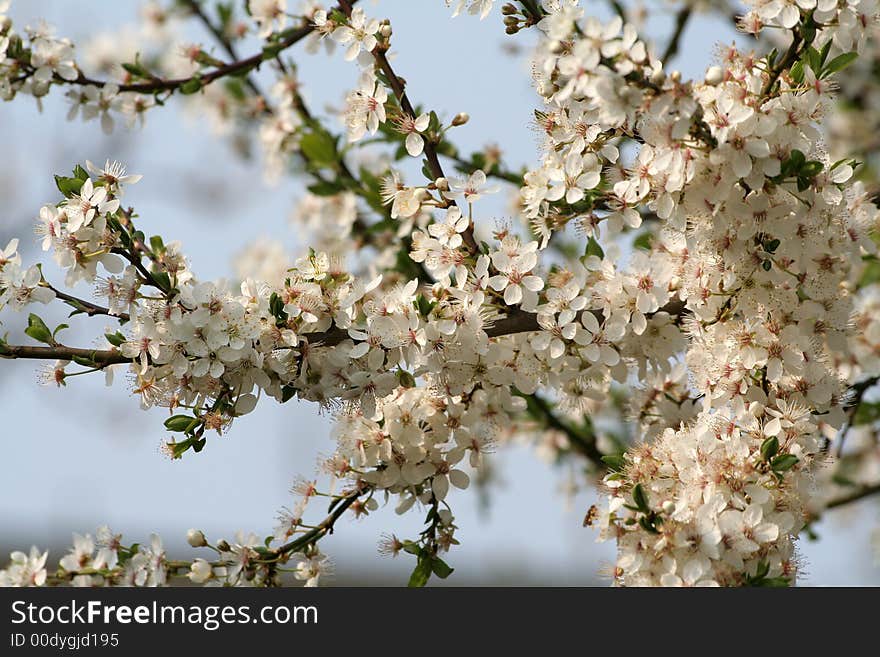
(58, 328)
(440, 568)
(68, 186)
(80, 173)
(157, 245)
(614, 462)
(181, 423)
(319, 148)
(116, 339)
(191, 86)
(839, 63)
(811, 168)
(593, 249)
(38, 330)
(783, 462)
(640, 498)
(867, 413)
(769, 448)
(326, 188)
(643, 241)
(422, 572)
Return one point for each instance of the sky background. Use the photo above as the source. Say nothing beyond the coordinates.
(85, 455)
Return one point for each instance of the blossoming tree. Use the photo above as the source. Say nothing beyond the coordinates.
(687, 301)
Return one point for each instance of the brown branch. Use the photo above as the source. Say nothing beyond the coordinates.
(681, 20)
(325, 527)
(400, 93)
(101, 358)
(788, 59)
(235, 67)
(516, 321)
(83, 306)
(855, 496)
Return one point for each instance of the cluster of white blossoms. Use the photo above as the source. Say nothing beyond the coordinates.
(103, 560)
(738, 313)
(761, 232)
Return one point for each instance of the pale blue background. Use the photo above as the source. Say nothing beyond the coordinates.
(81, 456)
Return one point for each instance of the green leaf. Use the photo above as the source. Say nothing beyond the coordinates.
(643, 241)
(406, 379)
(593, 249)
(326, 188)
(771, 246)
(814, 59)
(38, 330)
(866, 413)
(762, 570)
(272, 51)
(319, 148)
(797, 72)
(783, 462)
(80, 174)
(68, 186)
(839, 63)
(615, 462)
(422, 572)
(423, 305)
(191, 86)
(769, 448)
(136, 69)
(774, 582)
(411, 548)
(811, 168)
(871, 274)
(646, 524)
(181, 423)
(116, 339)
(793, 163)
(440, 568)
(179, 449)
(58, 328)
(640, 498)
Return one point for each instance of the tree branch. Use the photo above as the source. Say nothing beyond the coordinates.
(681, 21)
(325, 527)
(83, 306)
(855, 496)
(405, 104)
(101, 358)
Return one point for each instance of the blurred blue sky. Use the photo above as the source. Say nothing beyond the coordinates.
(85, 455)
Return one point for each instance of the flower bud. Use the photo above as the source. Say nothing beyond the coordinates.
(714, 75)
(196, 538)
(442, 184)
(385, 30)
(223, 546)
(668, 507)
(509, 9)
(200, 571)
(461, 118)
